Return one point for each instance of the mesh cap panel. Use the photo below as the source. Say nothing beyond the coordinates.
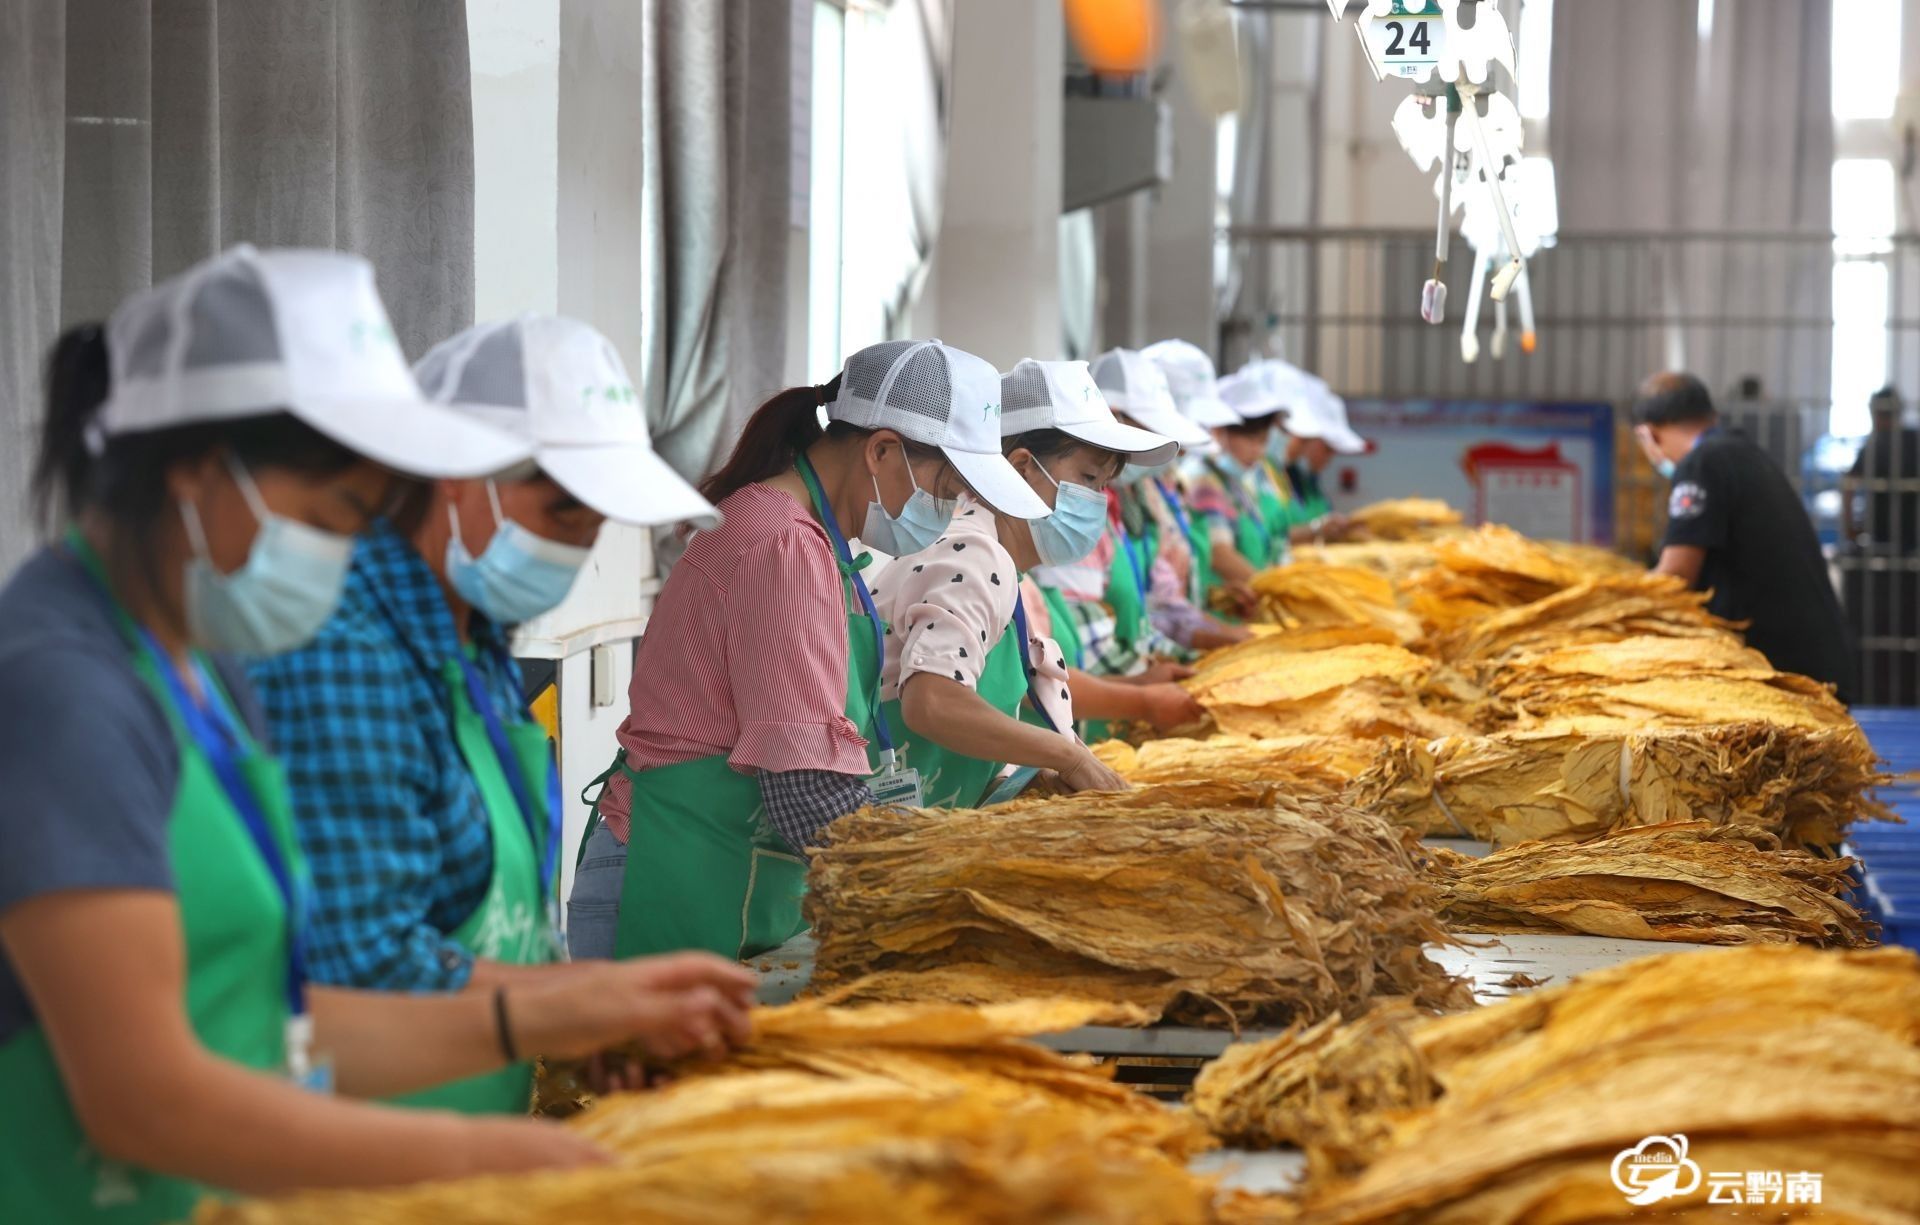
(1024, 388)
(867, 370)
(230, 320)
(493, 372)
(922, 386)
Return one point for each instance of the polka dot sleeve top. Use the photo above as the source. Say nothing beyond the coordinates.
(949, 605)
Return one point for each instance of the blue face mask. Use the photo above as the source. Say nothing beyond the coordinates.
(1133, 474)
(278, 601)
(916, 527)
(1070, 532)
(518, 575)
(1666, 467)
(1231, 466)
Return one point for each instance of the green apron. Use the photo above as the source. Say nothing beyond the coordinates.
(949, 779)
(1277, 511)
(1250, 535)
(510, 924)
(704, 868)
(234, 927)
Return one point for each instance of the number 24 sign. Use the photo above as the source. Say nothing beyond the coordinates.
(1402, 43)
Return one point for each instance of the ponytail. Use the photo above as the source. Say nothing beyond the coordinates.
(778, 432)
(77, 378)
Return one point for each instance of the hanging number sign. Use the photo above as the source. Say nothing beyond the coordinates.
(1408, 41)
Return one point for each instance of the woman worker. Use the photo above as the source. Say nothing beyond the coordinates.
(425, 796)
(756, 687)
(1182, 580)
(961, 658)
(213, 451)
(1316, 430)
(1246, 518)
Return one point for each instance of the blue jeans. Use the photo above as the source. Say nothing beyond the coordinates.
(593, 912)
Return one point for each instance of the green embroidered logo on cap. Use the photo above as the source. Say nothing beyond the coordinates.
(989, 410)
(362, 332)
(612, 393)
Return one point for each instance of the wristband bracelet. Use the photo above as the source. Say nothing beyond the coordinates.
(502, 1029)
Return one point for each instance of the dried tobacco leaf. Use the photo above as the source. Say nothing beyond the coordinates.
(1310, 595)
(874, 1115)
(1803, 786)
(1361, 691)
(1688, 881)
(1300, 765)
(1404, 519)
(1604, 609)
(1766, 1057)
(1213, 916)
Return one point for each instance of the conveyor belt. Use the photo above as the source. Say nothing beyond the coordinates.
(1890, 854)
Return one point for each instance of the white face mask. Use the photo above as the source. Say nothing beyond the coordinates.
(1073, 529)
(280, 598)
(916, 527)
(519, 575)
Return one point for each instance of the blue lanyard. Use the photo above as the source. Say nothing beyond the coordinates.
(482, 703)
(1173, 504)
(840, 549)
(220, 739)
(1195, 582)
(1026, 661)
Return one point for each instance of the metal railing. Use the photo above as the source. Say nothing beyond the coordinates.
(1751, 314)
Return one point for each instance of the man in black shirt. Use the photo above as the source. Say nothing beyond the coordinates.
(1736, 527)
(1882, 576)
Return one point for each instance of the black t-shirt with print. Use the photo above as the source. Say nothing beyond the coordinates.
(1763, 562)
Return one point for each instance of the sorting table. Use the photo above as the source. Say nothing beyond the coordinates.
(1492, 962)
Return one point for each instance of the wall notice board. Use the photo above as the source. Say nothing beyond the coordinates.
(1545, 469)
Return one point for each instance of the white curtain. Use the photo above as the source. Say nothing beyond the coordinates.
(137, 137)
(718, 177)
(1729, 137)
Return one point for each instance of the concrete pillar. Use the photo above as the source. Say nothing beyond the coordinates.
(1179, 222)
(996, 284)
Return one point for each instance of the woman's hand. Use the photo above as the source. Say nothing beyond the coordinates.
(517, 1146)
(1169, 706)
(672, 1007)
(1161, 672)
(1089, 773)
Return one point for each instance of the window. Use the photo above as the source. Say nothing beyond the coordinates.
(1534, 59)
(824, 191)
(1863, 224)
(1866, 58)
(862, 247)
(1863, 205)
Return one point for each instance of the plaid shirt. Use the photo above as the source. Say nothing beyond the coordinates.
(391, 820)
(802, 803)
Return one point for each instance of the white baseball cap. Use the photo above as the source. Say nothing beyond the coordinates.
(938, 396)
(1134, 386)
(249, 333)
(1037, 395)
(1193, 381)
(1253, 393)
(1318, 413)
(559, 385)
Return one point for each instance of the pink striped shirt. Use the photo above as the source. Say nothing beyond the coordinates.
(745, 655)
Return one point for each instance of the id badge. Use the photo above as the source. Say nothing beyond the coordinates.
(895, 787)
(305, 1068)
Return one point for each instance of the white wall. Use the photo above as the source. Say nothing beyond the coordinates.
(515, 48)
(556, 98)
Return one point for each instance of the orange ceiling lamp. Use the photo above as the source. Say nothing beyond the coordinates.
(1116, 37)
